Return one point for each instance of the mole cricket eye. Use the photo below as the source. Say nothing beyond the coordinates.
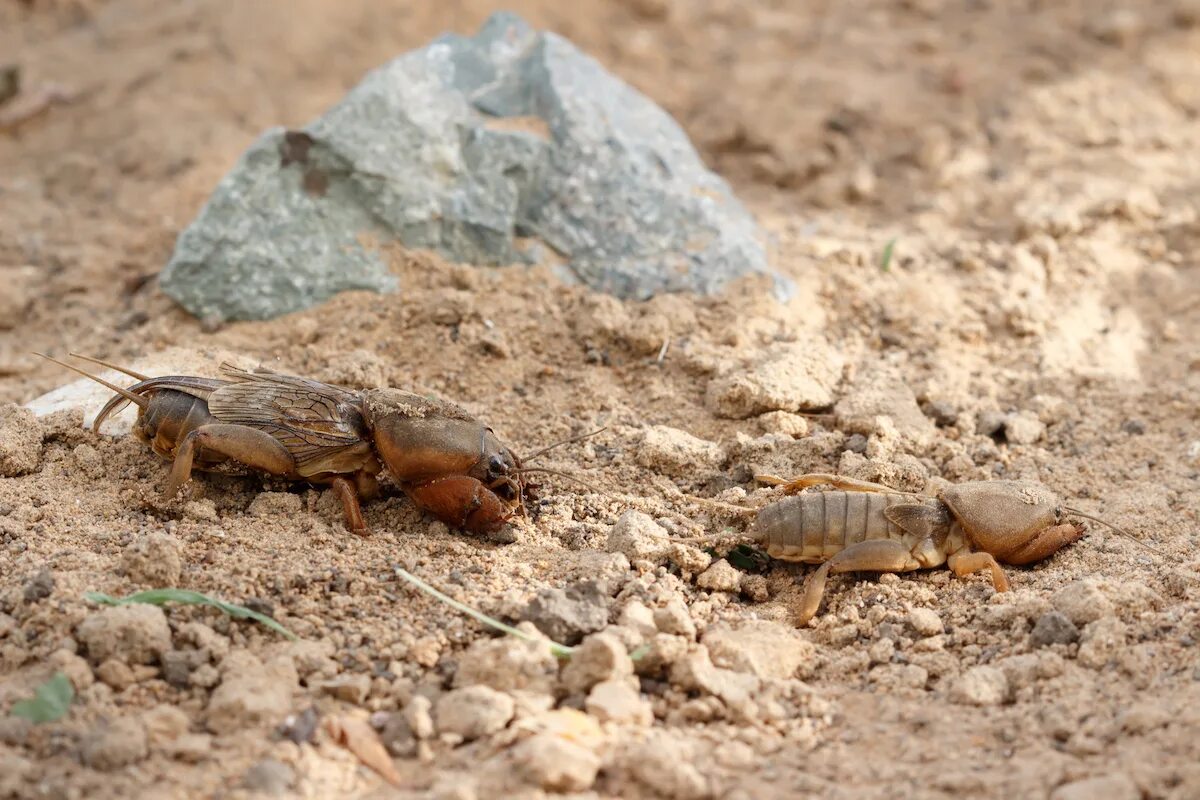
(497, 466)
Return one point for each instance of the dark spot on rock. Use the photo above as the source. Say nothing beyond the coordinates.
(316, 182)
(294, 148)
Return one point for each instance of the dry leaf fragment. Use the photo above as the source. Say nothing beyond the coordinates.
(356, 735)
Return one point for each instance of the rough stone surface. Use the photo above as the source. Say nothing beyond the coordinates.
(153, 559)
(112, 745)
(677, 452)
(980, 686)
(473, 712)
(135, 634)
(566, 615)
(20, 441)
(1053, 627)
(762, 648)
(556, 764)
(463, 147)
(1082, 602)
(794, 376)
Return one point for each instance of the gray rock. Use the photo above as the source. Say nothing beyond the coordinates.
(1053, 627)
(566, 615)
(469, 146)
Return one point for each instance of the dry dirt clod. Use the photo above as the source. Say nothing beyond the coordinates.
(39, 587)
(116, 744)
(797, 376)
(601, 657)
(473, 712)
(616, 701)
(115, 673)
(135, 634)
(154, 560)
(419, 716)
(785, 423)
(925, 622)
(555, 764)
(20, 441)
(638, 537)
(665, 765)
(508, 664)
(250, 693)
(678, 453)
(566, 615)
(164, 723)
(762, 648)
(1082, 602)
(721, 577)
(1101, 642)
(1024, 427)
(674, 618)
(980, 686)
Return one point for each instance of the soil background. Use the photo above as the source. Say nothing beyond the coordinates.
(1033, 169)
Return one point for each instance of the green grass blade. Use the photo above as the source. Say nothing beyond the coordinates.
(50, 702)
(559, 650)
(885, 261)
(160, 597)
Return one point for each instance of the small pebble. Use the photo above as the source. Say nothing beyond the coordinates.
(1053, 627)
(721, 577)
(925, 622)
(40, 586)
(1082, 602)
(675, 618)
(555, 764)
(601, 657)
(112, 745)
(153, 560)
(980, 686)
(473, 712)
(617, 701)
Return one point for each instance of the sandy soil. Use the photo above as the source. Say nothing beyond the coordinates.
(1038, 166)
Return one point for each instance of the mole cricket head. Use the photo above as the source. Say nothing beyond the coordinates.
(1000, 517)
(419, 438)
